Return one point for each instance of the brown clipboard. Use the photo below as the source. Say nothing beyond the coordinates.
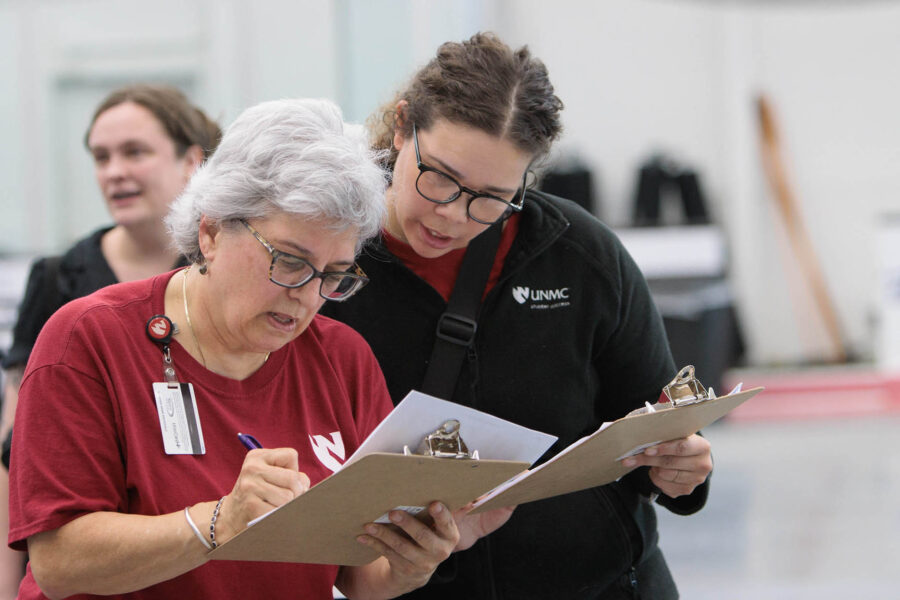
(321, 525)
(596, 461)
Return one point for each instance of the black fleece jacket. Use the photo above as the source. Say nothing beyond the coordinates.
(567, 339)
(80, 271)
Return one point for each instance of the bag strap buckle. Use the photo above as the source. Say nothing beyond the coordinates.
(456, 329)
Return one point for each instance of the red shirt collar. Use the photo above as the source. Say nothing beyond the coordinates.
(441, 272)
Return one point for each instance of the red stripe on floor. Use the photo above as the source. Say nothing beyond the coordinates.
(817, 394)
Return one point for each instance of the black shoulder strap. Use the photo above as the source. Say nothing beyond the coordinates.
(456, 327)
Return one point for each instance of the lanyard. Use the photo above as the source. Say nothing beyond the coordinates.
(160, 330)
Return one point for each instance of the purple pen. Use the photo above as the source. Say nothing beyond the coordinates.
(250, 442)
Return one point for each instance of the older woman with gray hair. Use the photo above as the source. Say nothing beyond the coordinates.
(141, 388)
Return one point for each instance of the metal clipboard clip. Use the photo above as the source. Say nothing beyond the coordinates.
(444, 442)
(684, 389)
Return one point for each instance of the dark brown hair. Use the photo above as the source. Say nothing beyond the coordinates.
(184, 123)
(482, 83)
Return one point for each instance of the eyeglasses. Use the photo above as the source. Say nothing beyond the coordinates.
(292, 271)
(440, 188)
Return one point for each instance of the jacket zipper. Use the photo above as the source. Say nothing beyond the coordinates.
(632, 580)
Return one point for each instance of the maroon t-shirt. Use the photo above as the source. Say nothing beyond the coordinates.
(88, 434)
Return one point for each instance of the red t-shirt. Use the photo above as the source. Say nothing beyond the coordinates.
(441, 272)
(88, 435)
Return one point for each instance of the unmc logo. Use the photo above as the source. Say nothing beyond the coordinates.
(520, 293)
(523, 293)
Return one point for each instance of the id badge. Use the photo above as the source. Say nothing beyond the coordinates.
(178, 418)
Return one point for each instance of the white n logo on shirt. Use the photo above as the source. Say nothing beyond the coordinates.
(326, 450)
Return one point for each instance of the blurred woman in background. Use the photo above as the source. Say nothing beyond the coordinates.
(146, 142)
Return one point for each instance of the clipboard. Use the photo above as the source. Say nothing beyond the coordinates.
(321, 525)
(595, 459)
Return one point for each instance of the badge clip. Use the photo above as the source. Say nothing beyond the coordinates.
(160, 329)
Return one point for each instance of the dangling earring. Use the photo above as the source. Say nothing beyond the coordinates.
(203, 267)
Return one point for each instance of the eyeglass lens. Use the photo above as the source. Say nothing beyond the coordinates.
(437, 187)
(294, 272)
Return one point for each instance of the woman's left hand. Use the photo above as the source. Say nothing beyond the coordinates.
(412, 548)
(678, 466)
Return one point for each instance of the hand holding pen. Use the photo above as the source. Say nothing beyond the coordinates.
(279, 470)
(269, 478)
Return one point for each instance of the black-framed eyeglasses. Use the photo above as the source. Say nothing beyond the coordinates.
(440, 188)
(292, 271)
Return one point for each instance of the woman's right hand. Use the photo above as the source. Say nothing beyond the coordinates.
(269, 478)
(106, 553)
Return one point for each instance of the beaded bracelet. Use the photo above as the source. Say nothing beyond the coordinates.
(212, 523)
(196, 530)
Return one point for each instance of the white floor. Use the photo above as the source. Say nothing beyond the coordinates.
(798, 510)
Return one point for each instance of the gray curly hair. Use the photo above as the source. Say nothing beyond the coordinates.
(296, 156)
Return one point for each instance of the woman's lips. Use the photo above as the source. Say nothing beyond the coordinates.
(435, 239)
(124, 196)
(282, 321)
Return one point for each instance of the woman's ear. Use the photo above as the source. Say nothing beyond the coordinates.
(400, 112)
(207, 237)
(399, 140)
(193, 158)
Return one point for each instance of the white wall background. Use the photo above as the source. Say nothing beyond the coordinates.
(636, 76)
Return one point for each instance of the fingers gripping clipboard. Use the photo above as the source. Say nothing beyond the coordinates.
(684, 408)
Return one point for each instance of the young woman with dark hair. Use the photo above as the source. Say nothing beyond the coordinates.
(567, 336)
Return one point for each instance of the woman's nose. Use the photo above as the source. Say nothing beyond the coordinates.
(308, 294)
(113, 168)
(456, 211)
